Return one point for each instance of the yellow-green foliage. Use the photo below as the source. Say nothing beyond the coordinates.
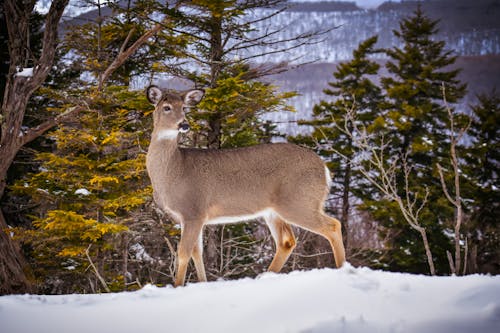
(74, 228)
(89, 186)
(239, 102)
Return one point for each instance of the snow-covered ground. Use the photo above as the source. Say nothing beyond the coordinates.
(326, 300)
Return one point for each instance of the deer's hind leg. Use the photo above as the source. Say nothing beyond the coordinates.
(284, 239)
(332, 230)
(198, 259)
(315, 220)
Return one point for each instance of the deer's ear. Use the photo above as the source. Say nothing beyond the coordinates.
(194, 97)
(154, 94)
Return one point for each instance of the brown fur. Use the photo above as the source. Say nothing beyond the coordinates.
(196, 186)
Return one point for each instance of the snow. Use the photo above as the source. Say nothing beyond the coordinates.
(140, 253)
(82, 191)
(326, 300)
(25, 72)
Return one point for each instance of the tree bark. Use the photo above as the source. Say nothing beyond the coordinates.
(345, 197)
(13, 273)
(18, 90)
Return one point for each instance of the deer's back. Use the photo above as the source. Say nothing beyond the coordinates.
(263, 169)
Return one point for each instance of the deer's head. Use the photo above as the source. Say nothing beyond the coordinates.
(170, 109)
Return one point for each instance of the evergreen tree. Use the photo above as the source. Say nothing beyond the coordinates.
(483, 185)
(415, 111)
(239, 104)
(90, 189)
(415, 123)
(86, 188)
(355, 94)
(222, 43)
(13, 134)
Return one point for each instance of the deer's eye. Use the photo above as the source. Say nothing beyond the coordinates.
(167, 108)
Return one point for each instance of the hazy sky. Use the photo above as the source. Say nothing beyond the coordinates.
(370, 3)
(360, 3)
(43, 5)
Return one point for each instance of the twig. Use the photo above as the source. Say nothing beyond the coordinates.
(450, 261)
(96, 272)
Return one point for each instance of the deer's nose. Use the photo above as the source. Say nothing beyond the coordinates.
(183, 127)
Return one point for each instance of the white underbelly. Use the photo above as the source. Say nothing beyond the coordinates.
(239, 218)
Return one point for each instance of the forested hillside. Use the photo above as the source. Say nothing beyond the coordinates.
(403, 109)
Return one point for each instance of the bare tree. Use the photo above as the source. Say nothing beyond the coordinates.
(383, 171)
(456, 199)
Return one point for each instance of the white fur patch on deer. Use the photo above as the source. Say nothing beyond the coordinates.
(168, 134)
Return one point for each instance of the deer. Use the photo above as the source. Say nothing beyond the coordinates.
(282, 183)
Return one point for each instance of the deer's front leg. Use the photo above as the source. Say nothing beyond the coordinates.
(191, 231)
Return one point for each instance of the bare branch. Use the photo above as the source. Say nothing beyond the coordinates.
(443, 185)
(38, 130)
(96, 272)
(383, 176)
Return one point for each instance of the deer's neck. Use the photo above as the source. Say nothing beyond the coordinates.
(163, 149)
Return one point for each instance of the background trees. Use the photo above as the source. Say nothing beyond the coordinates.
(79, 198)
(407, 130)
(482, 184)
(87, 188)
(16, 94)
(353, 94)
(415, 125)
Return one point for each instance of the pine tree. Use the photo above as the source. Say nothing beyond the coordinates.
(415, 111)
(223, 43)
(229, 116)
(355, 94)
(91, 187)
(239, 104)
(87, 187)
(482, 170)
(13, 134)
(415, 121)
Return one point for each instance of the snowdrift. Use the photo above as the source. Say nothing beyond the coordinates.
(327, 300)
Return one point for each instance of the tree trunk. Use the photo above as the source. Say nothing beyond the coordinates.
(13, 267)
(428, 252)
(18, 90)
(345, 196)
(215, 130)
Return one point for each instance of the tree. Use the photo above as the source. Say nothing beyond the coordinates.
(454, 193)
(117, 48)
(482, 184)
(223, 42)
(21, 86)
(86, 191)
(383, 175)
(353, 92)
(415, 121)
(418, 71)
(18, 89)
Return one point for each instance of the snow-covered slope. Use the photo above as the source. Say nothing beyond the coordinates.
(326, 300)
